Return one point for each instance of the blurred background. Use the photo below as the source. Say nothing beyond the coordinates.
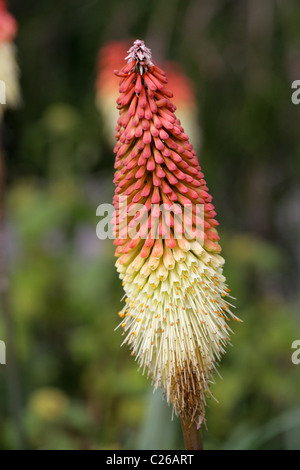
(67, 383)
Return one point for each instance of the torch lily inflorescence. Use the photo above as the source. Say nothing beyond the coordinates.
(176, 312)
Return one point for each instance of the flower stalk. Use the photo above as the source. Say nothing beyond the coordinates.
(176, 313)
(191, 435)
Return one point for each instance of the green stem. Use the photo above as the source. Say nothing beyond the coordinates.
(191, 435)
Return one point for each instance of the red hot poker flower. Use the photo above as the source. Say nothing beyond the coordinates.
(176, 314)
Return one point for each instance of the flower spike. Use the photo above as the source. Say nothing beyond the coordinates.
(176, 312)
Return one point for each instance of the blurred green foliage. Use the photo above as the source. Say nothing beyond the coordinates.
(78, 388)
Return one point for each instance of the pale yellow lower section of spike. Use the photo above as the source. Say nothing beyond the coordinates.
(176, 324)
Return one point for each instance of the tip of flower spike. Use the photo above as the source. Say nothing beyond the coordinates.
(141, 55)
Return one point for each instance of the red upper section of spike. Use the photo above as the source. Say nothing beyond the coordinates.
(8, 24)
(155, 162)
